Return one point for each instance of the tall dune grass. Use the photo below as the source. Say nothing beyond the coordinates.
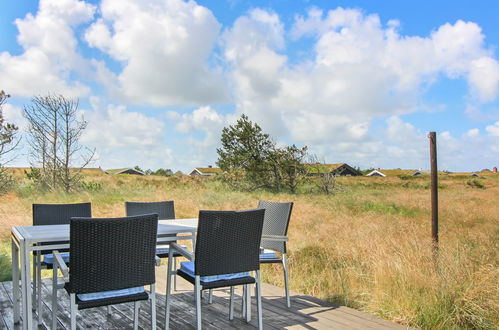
(367, 247)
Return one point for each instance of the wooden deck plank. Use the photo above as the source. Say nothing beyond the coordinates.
(280, 316)
(328, 311)
(9, 319)
(6, 311)
(305, 313)
(92, 318)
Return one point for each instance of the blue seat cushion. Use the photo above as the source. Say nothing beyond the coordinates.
(49, 258)
(188, 268)
(110, 294)
(268, 255)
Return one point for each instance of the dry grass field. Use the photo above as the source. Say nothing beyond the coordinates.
(367, 246)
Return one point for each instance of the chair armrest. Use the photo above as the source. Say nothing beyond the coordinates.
(184, 252)
(59, 262)
(157, 261)
(275, 238)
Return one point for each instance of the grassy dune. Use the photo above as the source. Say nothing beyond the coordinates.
(367, 247)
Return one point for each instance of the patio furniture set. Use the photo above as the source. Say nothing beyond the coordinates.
(106, 261)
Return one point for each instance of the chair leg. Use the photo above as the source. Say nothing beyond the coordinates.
(72, 304)
(109, 311)
(152, 296)
(35, 277)
(259, 300)
(168, 290)
(174, 274)
(231, 304)
(286, 287)
(197, 289)
(54, 298)
(210, 296)
(39, 287)
(136, 305)
(247, 298)
(243, 302)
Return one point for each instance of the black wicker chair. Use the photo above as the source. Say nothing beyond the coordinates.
(52, 214)
(275, 231)
(227, 249)
(165, 211)
(274, 237)
(99, 275)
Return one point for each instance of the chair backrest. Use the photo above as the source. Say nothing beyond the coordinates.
(59, 214)
(165, 210)
(228, 242)
(112, 253)
(277, 216)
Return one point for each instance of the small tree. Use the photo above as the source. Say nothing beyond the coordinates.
(8, 142)
(325, 179)
(245, 147)
(54, 134)
(250, 154)
(290, 164)
(163, 172)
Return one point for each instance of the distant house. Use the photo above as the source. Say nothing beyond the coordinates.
(125, 171)
(476, 175)
(205, 171)
(396, 173)
(376, 173)
(340, 169)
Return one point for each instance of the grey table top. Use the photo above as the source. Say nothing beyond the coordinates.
(51, 233)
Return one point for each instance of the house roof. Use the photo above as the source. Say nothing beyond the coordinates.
(398, 171)
(376, 173)
(323, 168)
(214, 170)
(121, 170)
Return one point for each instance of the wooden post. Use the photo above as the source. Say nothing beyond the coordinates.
(434, 190)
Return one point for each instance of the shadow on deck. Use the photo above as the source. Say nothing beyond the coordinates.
(305, 313)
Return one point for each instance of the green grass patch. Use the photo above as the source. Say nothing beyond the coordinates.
(382, 208)
(5, 261)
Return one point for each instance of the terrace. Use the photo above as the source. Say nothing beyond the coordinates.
(306, 312)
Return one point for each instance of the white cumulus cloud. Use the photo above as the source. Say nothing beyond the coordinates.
(357, 70)
(164, 47)
(49, 51)
(126, 138)
(493, 129)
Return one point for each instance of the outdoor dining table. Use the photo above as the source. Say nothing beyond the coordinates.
(26, 239)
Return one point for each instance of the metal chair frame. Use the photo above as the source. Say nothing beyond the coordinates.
(51, 214)
(137, 234)
(227, 242)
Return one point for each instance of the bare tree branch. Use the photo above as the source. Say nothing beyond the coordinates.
(54, 134)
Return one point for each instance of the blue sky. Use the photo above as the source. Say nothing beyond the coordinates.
(360, 82)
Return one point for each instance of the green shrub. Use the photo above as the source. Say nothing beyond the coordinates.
(5, 261)
(91, 186)
(475, 183)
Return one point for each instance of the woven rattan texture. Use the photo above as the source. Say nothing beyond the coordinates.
(111, 254)
(59, 214)
(165, 210)
(83, 304)
(228, 241)
(277, 216)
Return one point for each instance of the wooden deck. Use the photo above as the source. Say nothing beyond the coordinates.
(305, 313)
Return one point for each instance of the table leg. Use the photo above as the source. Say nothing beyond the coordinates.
(15, 280)
(26, 283)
